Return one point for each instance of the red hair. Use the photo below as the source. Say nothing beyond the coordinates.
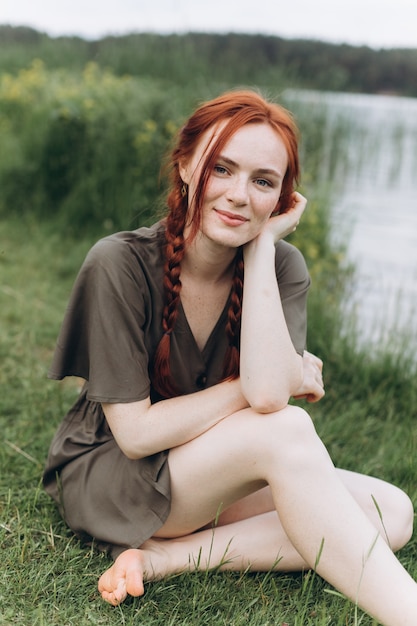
(236, 108)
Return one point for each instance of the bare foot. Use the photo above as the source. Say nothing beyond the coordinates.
(124, 577)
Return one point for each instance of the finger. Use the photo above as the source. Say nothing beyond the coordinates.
(313, 359)
(300, 202)
(298, 197)
(315, 397)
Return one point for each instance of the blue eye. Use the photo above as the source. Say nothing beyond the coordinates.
(220, 169)
(262, 182)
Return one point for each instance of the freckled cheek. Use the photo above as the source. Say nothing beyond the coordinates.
(214, 189)
(263, 213)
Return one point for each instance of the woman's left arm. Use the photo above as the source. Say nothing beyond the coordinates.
(271, 370)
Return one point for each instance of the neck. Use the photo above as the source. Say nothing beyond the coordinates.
(207, 261)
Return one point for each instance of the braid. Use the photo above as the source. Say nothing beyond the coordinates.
(174, 253)
(231, 360)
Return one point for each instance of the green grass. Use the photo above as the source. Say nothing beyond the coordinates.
(367, 420)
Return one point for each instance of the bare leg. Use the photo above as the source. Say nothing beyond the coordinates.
(387, 506)
(317, 512)
(253, 524)
(257, 543)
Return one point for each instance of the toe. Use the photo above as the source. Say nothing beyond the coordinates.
(134, 583)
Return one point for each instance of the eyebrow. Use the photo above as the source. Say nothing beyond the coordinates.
(265, 171)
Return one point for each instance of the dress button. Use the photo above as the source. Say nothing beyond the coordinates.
(201, 381)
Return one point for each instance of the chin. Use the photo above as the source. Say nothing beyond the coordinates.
(227, 236)
(228, 239)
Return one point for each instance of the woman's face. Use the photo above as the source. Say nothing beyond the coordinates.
(244, 186)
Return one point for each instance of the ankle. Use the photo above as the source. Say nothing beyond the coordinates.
(155, 559)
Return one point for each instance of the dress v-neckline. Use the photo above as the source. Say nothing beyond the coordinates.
(213, 331)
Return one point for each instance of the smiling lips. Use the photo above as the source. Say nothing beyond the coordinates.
(231, 219)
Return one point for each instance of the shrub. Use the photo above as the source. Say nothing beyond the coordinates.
(84, 147)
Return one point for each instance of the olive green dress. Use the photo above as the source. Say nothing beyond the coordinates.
(108, 338)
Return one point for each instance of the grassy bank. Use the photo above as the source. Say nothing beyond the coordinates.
(367, 420)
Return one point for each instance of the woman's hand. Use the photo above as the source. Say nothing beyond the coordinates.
(283, 224)
(312, 387)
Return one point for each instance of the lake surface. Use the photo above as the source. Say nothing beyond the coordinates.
(374, 208)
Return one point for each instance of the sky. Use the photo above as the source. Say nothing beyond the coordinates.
(375, 23)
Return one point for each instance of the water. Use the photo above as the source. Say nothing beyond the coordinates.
(375, 204)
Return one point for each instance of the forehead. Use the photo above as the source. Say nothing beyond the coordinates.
(255, 143)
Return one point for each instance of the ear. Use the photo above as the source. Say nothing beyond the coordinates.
(184, 172)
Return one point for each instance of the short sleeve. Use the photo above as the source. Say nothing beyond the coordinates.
(294, 282)
(102, 338)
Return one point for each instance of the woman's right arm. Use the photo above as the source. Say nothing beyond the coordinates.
(141, 428)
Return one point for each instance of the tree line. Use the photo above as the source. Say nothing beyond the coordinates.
(198, 58)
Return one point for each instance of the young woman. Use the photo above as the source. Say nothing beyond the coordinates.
(182, 451)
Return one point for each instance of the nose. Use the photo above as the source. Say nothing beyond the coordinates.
(237, 192)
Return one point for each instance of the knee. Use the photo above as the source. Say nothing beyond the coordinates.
(293, 437)
(395, 514)
(293, 424)
(402, 519)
